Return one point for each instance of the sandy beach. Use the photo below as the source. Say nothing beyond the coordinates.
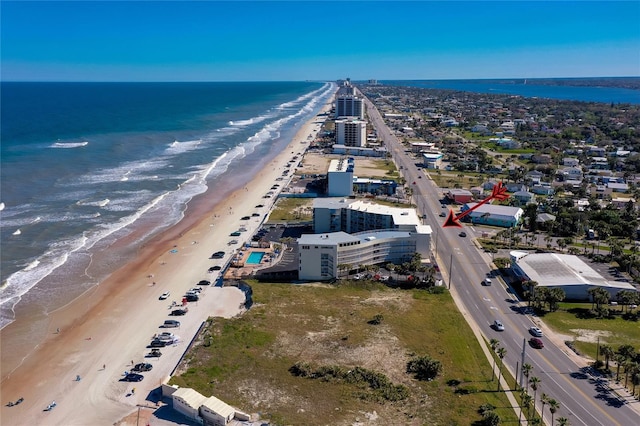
(100, 334)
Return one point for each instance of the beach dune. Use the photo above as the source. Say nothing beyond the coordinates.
(100, 334)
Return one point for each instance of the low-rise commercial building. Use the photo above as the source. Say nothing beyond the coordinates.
(494, 215)
(568, 272)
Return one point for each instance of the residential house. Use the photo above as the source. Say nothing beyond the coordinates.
(524, 197)
(570, 162)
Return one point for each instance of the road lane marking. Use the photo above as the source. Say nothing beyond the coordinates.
(568, 394)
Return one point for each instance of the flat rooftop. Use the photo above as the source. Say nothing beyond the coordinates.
(554, 269)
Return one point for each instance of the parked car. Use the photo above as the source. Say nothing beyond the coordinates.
(255, 214)
(217, 255)
(143, 366)
(156, 343)
(536, 343)
(497, 324)
(171, 324)
(245, 218)
(215, 268)
(535, 331)
(204, 282)
(178, 312)
(133, 377)
(463, 234)
(192, 297)
(155, 353)
(443, 214)
(235, 234)
(164, 295)
(196, 290)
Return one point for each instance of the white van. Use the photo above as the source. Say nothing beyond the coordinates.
(486, 281)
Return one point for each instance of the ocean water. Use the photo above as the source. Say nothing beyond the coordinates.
(85, 165)
(528, 89)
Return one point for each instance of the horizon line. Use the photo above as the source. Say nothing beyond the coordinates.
(318, 80)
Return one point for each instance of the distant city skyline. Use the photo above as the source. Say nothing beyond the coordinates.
(325, 40)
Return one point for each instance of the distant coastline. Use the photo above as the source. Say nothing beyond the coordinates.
(597, 89)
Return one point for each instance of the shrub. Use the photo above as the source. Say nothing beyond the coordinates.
(424, 368)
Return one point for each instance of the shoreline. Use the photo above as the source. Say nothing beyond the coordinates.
(111, 323)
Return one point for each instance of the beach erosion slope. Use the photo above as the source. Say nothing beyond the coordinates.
(107, 330)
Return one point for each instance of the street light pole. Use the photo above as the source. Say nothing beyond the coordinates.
(450, 271)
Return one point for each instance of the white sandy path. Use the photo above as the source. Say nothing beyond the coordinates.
(117, 330)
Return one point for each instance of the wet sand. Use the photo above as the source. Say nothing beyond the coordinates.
(110, 325)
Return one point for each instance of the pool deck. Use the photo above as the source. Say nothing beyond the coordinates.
(239, 268)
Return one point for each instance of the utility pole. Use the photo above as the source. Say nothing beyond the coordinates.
(521, 373)
(450, 271)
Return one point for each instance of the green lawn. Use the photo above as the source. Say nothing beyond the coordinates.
(246, 361)
(614, 332)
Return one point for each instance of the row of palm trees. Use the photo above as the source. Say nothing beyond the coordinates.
(627, 358)
(533, 383)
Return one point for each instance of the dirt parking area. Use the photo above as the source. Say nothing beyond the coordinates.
(318, 163)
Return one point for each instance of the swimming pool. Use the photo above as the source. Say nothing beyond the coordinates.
(255, 257)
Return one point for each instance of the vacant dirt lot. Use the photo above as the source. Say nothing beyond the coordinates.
(318, 163)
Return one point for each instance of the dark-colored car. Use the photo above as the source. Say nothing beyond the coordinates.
(245, 218)
(536, 343)
(443, 214)
(259, 206)
(217, 255)
(204, 282)
(463, 234)
(215, 268)
(143, 366)
(235, 234)
(255, 214)
(133, 377)
(178, 312)
(155, 353)
(157, 344)
(192, 298)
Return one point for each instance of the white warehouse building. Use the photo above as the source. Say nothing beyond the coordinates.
(564, 271)
(321, 254)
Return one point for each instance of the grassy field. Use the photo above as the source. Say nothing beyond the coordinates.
(245, 361)
(570, 320)
(292, 209)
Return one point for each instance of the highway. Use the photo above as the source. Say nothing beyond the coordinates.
(584, 399)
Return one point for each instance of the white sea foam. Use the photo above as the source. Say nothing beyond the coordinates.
(17, 232)
(170, 204)
(1, 206)
(253, 120)
(177, 147)
(67, 145)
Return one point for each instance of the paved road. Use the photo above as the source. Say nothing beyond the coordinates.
(585, 399)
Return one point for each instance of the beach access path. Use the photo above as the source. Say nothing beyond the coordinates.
(109, 327)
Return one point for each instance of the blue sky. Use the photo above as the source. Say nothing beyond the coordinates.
(326, 40)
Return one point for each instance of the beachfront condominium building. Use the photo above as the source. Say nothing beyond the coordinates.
(321, 256)
(351, 132)
(349, 106)
(352, 216)
(340, 177)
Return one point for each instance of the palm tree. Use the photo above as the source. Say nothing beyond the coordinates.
(607, 352)
(563, 421)
(526, 370)
(553, 407)
(502, 352)
(534, 382)
(544, 398)
(494, 343)
(526, 403)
